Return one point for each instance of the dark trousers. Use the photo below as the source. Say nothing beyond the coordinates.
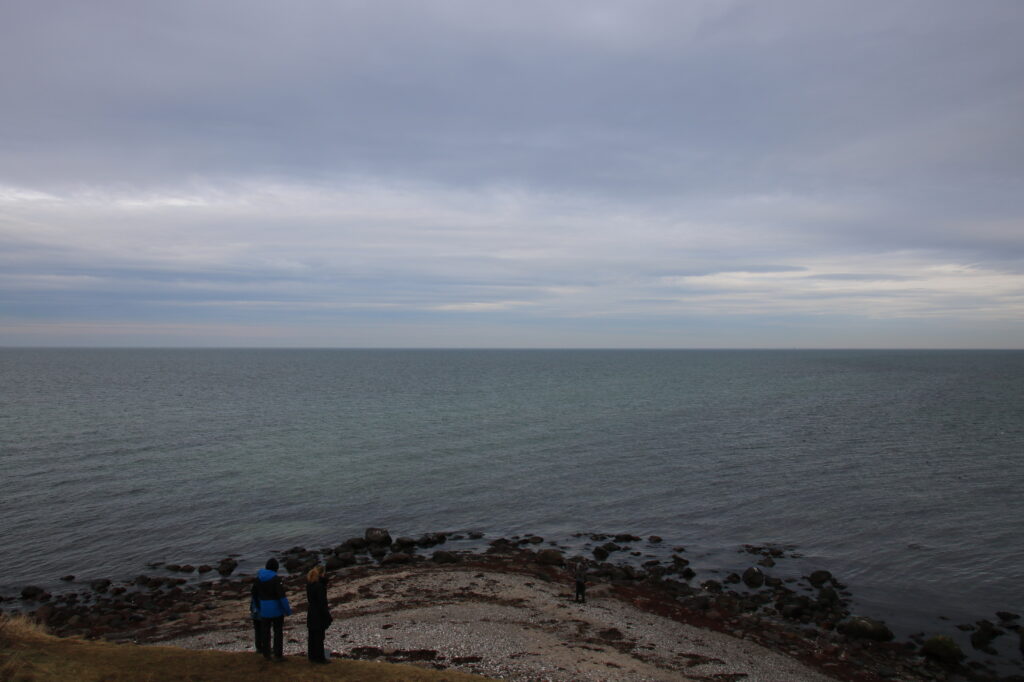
(263, 644)
(315, 648)
(581, 590)
(256, 630)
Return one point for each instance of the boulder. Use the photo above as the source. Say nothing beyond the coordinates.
(610, 547)
(982, 637)
(227, 566)
(550, 557)
(819, 578)
(431, 539)
(600, 553)
(753, 577)
(396, 558)
(828, 597)
(866, 628)
(404, 543)
(943, 649)
(352, 544)
(377, 536)
(32, 592)
(443, 557)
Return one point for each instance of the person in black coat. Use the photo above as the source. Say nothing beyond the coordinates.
(318, 618)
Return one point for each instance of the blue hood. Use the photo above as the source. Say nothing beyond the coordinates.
(266, 574)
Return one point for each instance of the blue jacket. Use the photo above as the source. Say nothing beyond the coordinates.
(268, 598)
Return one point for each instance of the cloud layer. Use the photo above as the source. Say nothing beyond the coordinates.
(646, 174)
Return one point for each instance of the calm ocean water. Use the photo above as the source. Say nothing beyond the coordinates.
(902, 472)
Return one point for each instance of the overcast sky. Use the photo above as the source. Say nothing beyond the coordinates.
(789, 173)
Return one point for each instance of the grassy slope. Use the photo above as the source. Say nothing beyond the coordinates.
(27, 653)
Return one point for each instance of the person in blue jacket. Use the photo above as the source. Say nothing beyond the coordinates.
(271, 604)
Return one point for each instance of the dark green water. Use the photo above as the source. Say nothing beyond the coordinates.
(900, 471)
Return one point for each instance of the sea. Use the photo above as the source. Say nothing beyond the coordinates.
(901, 472)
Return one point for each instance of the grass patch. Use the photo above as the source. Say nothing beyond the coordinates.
(28, 654)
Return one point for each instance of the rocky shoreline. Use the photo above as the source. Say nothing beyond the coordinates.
(806, 618)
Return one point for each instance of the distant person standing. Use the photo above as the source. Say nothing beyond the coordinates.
(580, 575)
(268, 593)
(318, 618)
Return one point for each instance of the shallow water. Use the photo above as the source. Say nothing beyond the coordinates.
(899, 471)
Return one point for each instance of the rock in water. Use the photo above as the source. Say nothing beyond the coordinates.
(943, 649)
(819, 578)
(377, 536)
(753, 577)
(32, 592)
(227, 566)
(866, 628)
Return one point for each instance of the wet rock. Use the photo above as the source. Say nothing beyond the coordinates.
(732, 578)
(610, 547)
(340, 561)
(396, 558)
(828, 597)
(981, 638)
(550, 557)
(712, 586)
(1006, 616)
(866, 628)
(404, 543)
(600, 553)
(943, 649)
(204, 568)
(187, 568)
(173, 567)
(352, 544)
(377, 536)
(431, 539)
(767, 562)
(753, 577)
(654, 539)
(378, 552)
(476, 535)
(32, 592)
(443, 557)
(68, 578)
(687, 573)
(626, 537)
(819, 578)
(100, 585)
(227, 566)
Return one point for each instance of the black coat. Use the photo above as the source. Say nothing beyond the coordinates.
(319, 615)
